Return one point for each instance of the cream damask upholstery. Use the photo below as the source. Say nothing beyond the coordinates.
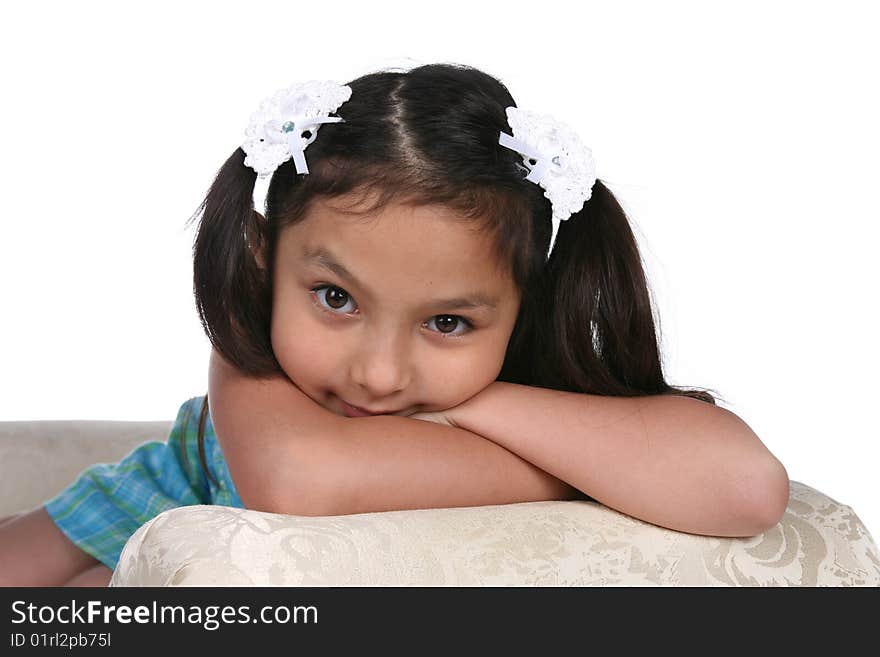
(819, 542)
(576, 543)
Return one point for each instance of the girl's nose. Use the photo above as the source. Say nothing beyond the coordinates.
(382, 369)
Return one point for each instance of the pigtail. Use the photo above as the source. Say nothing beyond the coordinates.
(233, 295)
(599, 334)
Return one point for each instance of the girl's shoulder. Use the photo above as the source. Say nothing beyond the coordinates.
(184, 439)
(189, 415)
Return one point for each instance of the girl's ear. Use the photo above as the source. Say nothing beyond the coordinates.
(256, 243)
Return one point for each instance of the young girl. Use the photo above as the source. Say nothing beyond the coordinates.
(443, 256)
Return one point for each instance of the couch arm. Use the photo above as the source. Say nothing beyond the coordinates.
(819, 542)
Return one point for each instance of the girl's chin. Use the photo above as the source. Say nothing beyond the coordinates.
(339, 406)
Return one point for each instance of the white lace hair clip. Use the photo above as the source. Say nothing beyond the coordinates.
(287, 122)
(555, 158)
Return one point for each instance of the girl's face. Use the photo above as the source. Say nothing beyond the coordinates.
(374, 312)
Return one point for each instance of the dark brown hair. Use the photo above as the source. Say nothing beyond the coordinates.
(430, 136)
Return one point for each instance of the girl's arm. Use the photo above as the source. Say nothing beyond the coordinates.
(666, 459)
(286, 454)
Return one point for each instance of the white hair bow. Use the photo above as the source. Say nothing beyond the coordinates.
(555, 158)
(287, 122)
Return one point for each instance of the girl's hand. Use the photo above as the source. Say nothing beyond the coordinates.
(457, 415)
(440, 417)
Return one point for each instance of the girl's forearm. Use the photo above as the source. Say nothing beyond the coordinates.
(385, 463)
(669, 460)
(336, 466)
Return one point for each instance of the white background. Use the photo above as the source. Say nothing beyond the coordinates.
(742, 138)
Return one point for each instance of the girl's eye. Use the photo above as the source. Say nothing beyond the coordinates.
(450, 321)
(337, 298)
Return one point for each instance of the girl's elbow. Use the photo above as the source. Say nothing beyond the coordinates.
(780, 491)
(767, 497)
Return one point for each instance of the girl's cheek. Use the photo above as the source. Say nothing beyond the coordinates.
(461, 378)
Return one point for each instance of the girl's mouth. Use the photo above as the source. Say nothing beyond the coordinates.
(355, 411)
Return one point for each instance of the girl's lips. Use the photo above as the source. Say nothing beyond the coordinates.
(354, 411)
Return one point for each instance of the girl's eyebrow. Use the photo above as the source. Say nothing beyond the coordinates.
(323, 258)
